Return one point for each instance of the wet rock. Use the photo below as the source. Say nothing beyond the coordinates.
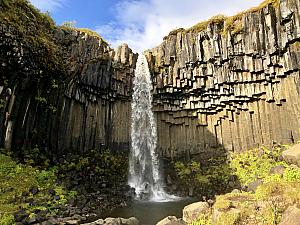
(115, 221)
(20, 215)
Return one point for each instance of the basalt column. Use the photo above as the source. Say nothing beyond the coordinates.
(234, 89)
(87, 108)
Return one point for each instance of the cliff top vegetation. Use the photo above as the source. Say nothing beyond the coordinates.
(231, 23)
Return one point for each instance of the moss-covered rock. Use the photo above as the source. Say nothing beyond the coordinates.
(266, 204)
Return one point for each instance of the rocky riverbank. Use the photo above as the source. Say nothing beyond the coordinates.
(80, 188)
(270, 193)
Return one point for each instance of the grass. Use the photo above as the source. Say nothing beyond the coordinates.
(17, 179)
(204, 24)
(86, 31)
(231, 24)
(255, 164)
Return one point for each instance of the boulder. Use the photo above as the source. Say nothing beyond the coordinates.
(191, 212)
(291, 216)
(171, 220)
(277, 170)
(130, 221)
(115, 221)
(292, 155)
(253, 185)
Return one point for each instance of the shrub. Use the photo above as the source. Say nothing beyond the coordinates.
(7, 219)
(17, 179)
(254, 164)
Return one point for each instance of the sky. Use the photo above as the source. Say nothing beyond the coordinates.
(141, 24)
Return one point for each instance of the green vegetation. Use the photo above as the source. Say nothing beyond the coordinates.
(213, 176)
(35, 29)
(25, 187)
(233, 23)
(203, 25)
(28, 31)
(255, 164)
(278, 190)
(102, 163)
(71, 26)
(204, 219)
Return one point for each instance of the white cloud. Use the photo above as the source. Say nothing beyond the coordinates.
(143, 24)
(48, 5)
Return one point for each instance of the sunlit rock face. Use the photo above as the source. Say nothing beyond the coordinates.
(216, 90)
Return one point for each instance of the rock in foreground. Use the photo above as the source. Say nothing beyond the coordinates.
(292, 155)
(191, 212)
(115, 221)
(171, 220)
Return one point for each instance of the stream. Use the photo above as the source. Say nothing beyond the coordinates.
(149, 213)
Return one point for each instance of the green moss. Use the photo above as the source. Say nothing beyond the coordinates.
(295, 46)
(222, 202)
(176, 31)
(231, 24)
(275, 3)
(213, 176)
(228, 218)
(254, 164)
(203, 219)
(17, 179)
(204, 24)
(87, 31)
(271, 198)
(7, 219)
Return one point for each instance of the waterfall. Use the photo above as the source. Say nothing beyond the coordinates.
(144, 173)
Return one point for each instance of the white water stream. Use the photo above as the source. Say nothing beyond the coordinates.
(144, 168)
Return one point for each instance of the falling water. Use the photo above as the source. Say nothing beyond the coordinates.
(144, 173)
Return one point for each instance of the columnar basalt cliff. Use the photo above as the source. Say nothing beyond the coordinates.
(70, 94)
(233, 84)
(96, 108)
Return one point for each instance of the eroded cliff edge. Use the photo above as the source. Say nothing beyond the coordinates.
(62, 90)
(229, 84)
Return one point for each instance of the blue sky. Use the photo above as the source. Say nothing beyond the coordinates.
(140, 23)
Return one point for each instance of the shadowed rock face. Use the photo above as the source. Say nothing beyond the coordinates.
(96, 108)
(214, 88)
(90, 108)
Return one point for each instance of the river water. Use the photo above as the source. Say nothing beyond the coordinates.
(149, 213)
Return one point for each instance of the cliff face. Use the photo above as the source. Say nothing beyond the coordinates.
(62, 90)
(96, 108)
(231, 89)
